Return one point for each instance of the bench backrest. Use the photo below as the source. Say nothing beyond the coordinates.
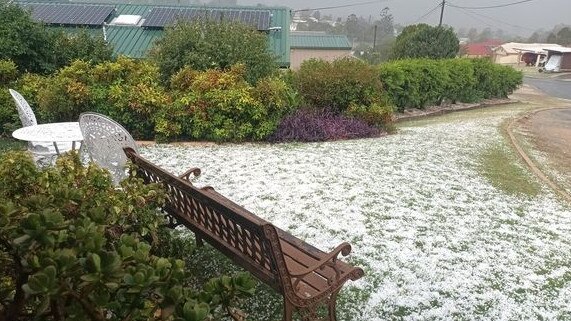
(230, 228)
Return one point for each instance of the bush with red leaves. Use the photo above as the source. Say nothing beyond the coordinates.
(307, 125)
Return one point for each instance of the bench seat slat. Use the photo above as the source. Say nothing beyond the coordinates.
(308, 249)
(312, 284)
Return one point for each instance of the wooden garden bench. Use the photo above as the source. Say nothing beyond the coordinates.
(307, 277)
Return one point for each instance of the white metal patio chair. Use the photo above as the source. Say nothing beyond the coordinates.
(104, 139)
(42, 151)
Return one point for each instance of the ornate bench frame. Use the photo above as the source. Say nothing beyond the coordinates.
(306, 276)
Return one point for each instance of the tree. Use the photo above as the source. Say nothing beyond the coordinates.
(551, 38)
(352, 27)
(386, 24)
(564, 36)
(81, 46)
(472, 34)
(73, 247)
(24, 41)
(37, 49)
(486, 34)
(204, 45)
(535, 37)
(499, 34)
(316, 14)
(424, 41)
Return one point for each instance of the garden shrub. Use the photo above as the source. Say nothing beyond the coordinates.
(66, 94)
(414, 82)
(80, 45)
(126, 90)
(374, 114)
(37, 48)
(28, 85)
(417, 83)
(461, 80)
(222, 106)
(8, 72)
(312, 125)
(493, 80)
(8, 113)
(204, 44)
(134, 94)
(73, 247)
(337, 84)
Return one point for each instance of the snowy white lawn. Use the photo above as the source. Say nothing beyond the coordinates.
(436, 240)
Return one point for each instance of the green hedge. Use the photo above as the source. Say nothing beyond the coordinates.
(419, 83)
(345, 86)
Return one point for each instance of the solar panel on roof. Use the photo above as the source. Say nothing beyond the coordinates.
(70, 14)
(161, 17)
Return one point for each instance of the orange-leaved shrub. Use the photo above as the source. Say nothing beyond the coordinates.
(222, 106)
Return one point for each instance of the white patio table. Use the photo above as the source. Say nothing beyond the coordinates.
(51, 132)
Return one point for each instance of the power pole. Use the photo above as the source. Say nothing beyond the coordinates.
(375, 38)
(442, 12)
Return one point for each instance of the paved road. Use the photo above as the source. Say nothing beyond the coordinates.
(551, 129)
(552, 87)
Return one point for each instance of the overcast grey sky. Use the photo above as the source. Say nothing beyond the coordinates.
(520, 19)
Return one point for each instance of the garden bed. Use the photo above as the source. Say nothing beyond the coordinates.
(415, 113)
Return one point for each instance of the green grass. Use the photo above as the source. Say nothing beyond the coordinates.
(503, 169)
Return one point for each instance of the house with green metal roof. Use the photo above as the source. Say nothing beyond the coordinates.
(132, 29)
(317, 45)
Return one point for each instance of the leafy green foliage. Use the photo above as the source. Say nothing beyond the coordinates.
(24, 41)
(461, 80)
(424, 41)
(493, 80)
(8, 113)
(8, 72)
(221, 106)
(414, 83)
(73, 247)
(126, 90)
(81, 45)
(423, 82)
(38, 49)
(204, 44)
(345, 86)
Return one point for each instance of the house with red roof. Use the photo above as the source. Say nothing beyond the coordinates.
(480, 49)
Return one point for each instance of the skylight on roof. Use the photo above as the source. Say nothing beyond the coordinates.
(127, 20)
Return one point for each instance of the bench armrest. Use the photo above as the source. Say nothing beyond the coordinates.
(328, 260)
(191, 171)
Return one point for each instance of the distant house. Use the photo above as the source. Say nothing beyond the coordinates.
(480, 49)
(513, 52)
(558, 60)
(308, 45)
(133, 28)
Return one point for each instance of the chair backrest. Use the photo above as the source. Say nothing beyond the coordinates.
(104, 139)
(25, 112)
